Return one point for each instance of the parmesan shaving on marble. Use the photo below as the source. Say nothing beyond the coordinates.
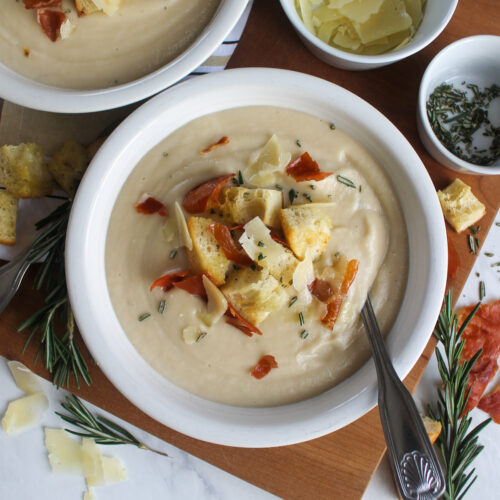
(64, 453)
(25, 379)
(24, 413)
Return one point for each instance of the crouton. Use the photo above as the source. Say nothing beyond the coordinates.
(8, 216)
(254, 294)
(240, 205)
(267, 253)
(68, 166)
(305, 228)
(85, 7)
(206, 255)
(460, 207)
(23, 171)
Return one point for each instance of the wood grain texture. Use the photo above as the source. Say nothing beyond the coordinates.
(338, 465)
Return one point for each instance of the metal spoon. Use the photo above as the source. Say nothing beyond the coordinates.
(415, 465)
(11, 275)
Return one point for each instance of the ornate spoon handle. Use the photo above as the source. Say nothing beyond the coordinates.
(416, 467)
(11, 275)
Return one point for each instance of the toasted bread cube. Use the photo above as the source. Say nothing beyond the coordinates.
(306, 228)
(460, 207)
(8, 217)
(254, 294)
(241, 205)
(85, 7)
(68, 166)
(206, 255)
(23, 171)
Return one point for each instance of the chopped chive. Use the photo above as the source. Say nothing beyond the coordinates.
(281, 279)
(290, 282)
(201, 336)
(489, 254)
(301, 318)
(476, 241)
(279, 186)
(173, 253)
(240, 178)
(292, 194)
(235, 181)
(260, 256)
(304, 334)
(235, 267)
(332, 126)
(161, 306)
(292, 301)
(497, 224)
(312, 186)
(360, 188)
(473, 230)
(495, 264)
(307, 197)
(472, 244)
(337, 255)
(144, 316)
(346, 181)
(253, 267)
(482, 290)
(260, 244)
(299, 144)
(477, 274)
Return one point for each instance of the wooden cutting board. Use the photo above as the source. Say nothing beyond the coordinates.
(341, 464)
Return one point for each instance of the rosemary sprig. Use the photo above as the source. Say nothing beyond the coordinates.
(54, 321)
(100, 429)
(459, 446)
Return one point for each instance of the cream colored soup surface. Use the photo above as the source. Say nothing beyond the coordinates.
(367, 225)
(102, 51)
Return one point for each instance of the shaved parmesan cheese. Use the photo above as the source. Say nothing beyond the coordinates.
(67, 27)
(113, 470)
(92, 463)
(256, 232)
(360, 12)
(171, 232)
(65, 454)
(89, 495)
(24, 413)
(109, 7)
(182, 229)
(302, 277)
(191, 334)
(25, 379)
(217, 303)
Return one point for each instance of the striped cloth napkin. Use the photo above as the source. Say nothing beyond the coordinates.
(19, 124)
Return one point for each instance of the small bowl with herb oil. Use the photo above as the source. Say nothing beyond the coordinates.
(458, 114)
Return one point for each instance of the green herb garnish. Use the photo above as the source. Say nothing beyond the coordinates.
(304, 334)
(482, 290)
(172, 254)
(472, 244)
(346, 181)
(489, 254)
(240, 178)
(279, 186)
(144, 316)
(292, 194)
(299, 144)
(260, 256)
(292, 301)
(260, 243)
(307, 196)
(332, 126)
(301, 318)
(161, 306)
(201, 336)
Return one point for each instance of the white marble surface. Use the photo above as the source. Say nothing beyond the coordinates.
(25, 472)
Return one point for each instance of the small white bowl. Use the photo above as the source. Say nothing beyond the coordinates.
(86, 241)
(475, 59)
(32, 94)
(437, 15)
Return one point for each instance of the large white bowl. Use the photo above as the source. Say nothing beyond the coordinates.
(85, 257)
(475, 59)
(437, 15)
(26, 92)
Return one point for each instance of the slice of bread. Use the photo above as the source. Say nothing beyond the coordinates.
(254, 294)
(306, 228)
(8, 217)
(68, 166)
(23, 171)
(85, 7)
(460, 207)
(240, 205)
(206, 255)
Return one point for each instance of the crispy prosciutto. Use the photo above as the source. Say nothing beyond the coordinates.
(321, 289)
(193, 285)
(166, 282)
(491, 405)
(221, 142)
(337, 299)
(304, 168)
(151, 205)
(42, 4)
(483, 332)
(238, 321)
(51, 22)
(264, 366)
(206, 195)
(222, 234)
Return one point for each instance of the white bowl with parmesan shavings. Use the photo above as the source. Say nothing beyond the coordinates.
(90, 222)
(461, 83)
(106, 62)
(432, 20)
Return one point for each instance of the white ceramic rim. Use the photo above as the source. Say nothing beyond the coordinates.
(462, 165)
(32, 94)
(376, 60)
(85, 266)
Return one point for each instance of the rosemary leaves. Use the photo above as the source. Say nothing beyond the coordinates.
(456, 115)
